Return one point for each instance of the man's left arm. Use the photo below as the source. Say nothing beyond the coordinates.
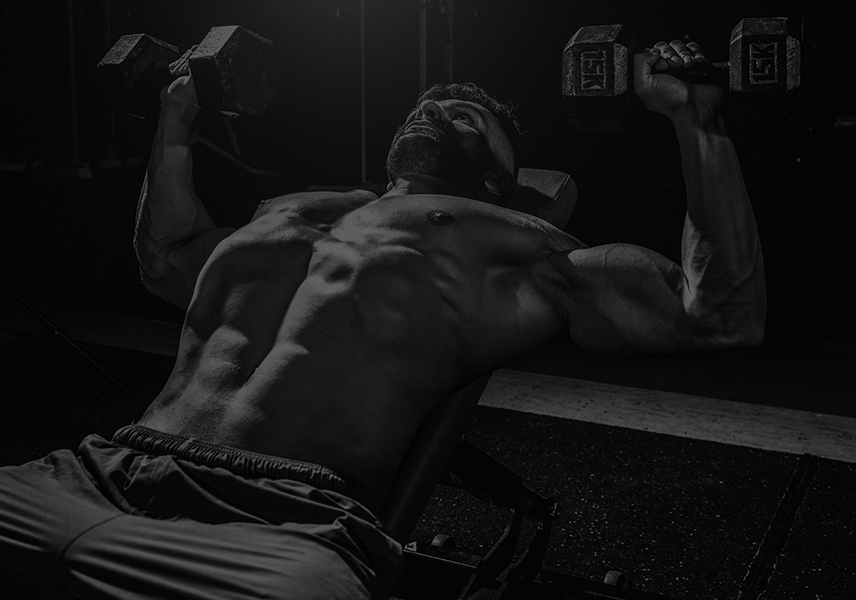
(721, 253)
(624, 299)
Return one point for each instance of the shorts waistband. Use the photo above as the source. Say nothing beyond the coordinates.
(250, 465)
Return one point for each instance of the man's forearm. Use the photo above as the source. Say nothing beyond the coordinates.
(169, 212)
(721, 250)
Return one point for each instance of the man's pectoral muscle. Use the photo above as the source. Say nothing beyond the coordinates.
(171, 272)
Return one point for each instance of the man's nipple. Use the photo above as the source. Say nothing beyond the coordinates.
(440, 217)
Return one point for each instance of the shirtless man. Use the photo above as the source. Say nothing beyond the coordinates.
(319, 337)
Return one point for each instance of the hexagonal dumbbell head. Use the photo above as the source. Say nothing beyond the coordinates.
(764, 55)
(234, 71)
(134, 71)
(597, 64)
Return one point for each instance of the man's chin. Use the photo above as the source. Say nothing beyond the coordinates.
(412, 153)
(423, 155)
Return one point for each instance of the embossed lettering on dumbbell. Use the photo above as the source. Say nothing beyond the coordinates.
(764, 56)
(764, 63)
(593, 70)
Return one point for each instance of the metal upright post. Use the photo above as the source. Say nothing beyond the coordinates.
(449, 6)
(76, 168)
(363, 159)
(423, 45)
(112, 159)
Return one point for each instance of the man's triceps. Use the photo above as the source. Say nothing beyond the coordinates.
(624, 299)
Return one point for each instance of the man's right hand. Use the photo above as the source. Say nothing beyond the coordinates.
(180, 95)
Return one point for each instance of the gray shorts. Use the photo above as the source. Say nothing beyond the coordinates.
(149, 516)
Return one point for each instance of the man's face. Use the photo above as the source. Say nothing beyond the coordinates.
(453, 140)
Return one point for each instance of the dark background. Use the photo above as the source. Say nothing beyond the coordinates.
(685, 517)
(66, 240)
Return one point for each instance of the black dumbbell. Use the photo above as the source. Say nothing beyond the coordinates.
(234, 71)
(598, 68)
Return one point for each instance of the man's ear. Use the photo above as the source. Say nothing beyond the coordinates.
(389, 186)
(499, 182)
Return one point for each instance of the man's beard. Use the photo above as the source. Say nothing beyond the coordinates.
(433, 154)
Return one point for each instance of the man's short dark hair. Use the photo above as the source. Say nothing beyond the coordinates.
(470, 92)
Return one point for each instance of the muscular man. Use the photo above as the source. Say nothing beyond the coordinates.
(319, 337)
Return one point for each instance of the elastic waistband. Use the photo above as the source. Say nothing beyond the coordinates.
(249, 465)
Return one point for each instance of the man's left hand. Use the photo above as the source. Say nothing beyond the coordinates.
(668, 95)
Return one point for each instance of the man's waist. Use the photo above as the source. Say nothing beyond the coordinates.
(244, 463)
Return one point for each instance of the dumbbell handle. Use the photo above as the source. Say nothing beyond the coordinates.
(713, 73)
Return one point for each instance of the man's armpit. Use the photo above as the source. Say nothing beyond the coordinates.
(213, 239)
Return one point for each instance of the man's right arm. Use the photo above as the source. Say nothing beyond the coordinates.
(174, 234)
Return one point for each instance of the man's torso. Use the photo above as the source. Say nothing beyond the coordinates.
(329, 327)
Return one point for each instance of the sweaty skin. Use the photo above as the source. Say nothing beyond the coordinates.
(329, 327)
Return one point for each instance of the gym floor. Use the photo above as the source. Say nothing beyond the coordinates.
(707, 477)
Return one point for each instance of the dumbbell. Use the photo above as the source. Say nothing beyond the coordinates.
(597, 67)
(234, 71)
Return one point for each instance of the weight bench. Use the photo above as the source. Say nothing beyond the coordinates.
(439, 452)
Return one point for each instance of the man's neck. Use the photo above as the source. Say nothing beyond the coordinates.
(410, 184)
